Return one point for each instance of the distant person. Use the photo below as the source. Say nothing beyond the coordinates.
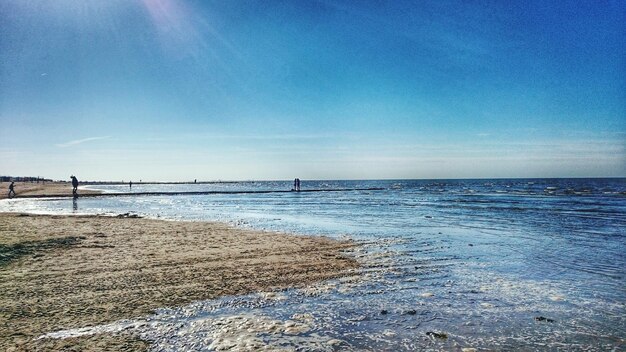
(295, 184)
(130, 184)
(74, 186)
(298, 185)
(11, 190)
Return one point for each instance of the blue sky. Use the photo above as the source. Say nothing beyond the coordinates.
(237, 90)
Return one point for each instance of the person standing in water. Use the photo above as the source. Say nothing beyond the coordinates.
(11, 190)
(130, 184)
(74, 186)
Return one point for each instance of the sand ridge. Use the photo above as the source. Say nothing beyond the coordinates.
(62, 272)
(29, 189)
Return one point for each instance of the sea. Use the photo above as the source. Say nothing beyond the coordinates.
(461, 265)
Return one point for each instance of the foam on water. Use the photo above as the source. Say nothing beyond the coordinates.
(495, 264)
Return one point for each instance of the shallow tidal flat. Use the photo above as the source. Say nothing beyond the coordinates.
(66, 272)
(34, 189)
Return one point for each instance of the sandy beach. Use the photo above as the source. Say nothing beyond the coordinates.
(62, 272)
(29, 189)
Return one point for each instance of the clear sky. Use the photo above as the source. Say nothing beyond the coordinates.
(236, 90)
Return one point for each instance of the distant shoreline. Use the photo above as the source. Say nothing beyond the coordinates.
(63, 190)
(123, 182)
(41, 190)
(89, 183)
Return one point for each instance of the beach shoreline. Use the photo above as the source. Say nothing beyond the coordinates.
(60, 190)
(442, 266)
(43, 189)
(70, 271)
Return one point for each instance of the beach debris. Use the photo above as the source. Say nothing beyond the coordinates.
(541, 318)
(129, 216)
(383, 312)
(427, 294)
(468, 349)
(410, 312)
(437, 335)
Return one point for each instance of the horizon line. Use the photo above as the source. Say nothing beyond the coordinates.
(310, 180)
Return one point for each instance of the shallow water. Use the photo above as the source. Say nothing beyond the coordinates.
(476, 260)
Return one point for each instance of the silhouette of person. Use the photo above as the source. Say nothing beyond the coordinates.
(130, 184)
(298, 184)
(295, 184)
(11, 190)
(74, 186)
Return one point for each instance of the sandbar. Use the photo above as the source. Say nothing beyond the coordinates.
(63, 272)
(30, 189)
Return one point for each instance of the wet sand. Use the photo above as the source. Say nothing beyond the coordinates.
(63, 272)
(29, 189)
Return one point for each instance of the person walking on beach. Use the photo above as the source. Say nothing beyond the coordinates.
(74, 186)
(130, 184)
(296, 185)
(11, 190)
